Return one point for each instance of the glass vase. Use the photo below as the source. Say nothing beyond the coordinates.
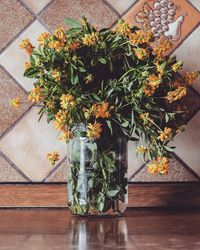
(97, 174)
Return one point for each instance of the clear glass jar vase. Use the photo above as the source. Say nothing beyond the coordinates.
(97, 174)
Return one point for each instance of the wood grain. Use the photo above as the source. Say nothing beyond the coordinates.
(140, 195)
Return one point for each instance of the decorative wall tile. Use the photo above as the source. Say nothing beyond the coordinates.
(14, 17)
(96, 11)
(121, 6)
(59, 175)
(174, 19)
(36, 6)
(188, 144)
(8, 90)
(28, 143)
(177, 173)
(16, 67)
(189, 52)
(196, 3)
(8, 173)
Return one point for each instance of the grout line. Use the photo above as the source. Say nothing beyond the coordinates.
(15, 123)
(45, 7)
(28, 8)
(185, 165)
(16, 36)
(54, 170)
(13, 165)
(14, 79)
(136, 172)
(129, 8)
(193, 5)
(111, 7)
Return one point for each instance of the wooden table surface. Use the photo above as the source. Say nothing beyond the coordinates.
(139, 229)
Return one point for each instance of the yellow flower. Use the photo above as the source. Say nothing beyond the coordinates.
(73, 45)
(165, 135)
(15, 102)
(83, 22)
(57, 45)
(146, 118)
(163, 48)
(141, 149)
(122, 28)
(27, 65)
(87, 113)
(101, 110)
(35, 95)
(90, 39)
(43, 38)
(160, 68)
(56, 74)
(152, 83)
(141, 53)
(94, 130)
(53, 157)
(66, 136)
(67, 101)
(59, 33)
(190, 77)
(27, 46)
(176, 66)
(60, 120)
(159, 166)
(177, 94)
(141, 37)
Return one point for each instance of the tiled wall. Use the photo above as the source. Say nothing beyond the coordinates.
(24, 142)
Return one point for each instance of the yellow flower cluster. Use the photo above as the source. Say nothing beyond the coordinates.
(141, 53)
(43, 38)
(190, 77)
(59, 33)
(56, 74)
(152, 83)
(90, 39)
(141, 149)
(141, 37)
(57, 45)
(164, 47)
(73, 45)
(94, 130)
(146, 118)
(177, 94)
(177, 66)
(159, 166)
(67, 101)
(35, 95)
(16, 102)
(60, 120)
(123, 28)
(165, 135)
(27, 46)
(160, 68)
(53, 157)
(66, 136)
(101, 110)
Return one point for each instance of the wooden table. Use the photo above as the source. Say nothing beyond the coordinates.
(139, 229)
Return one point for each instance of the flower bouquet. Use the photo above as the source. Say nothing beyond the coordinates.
(102, 88)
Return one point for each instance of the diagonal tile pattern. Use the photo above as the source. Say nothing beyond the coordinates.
(8, 90)
(178, 173)
(14, 17)
(25, 141)
(28, 143)
(95, 10)
(16, 67)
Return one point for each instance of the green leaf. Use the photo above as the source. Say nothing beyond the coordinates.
(113, 193)
(125, 124)
(31, 72)
(169, 149)
(110, 126)
(102, 60)
(73, 23)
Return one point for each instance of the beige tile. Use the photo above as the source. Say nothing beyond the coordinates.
(196, 3)
(188, 144)
(134, 161)
(13, 58)
(28, 143)
(59, 175)
(8, 173)
(121, 6)
(189, 52)
(177, 173)
(35, 5)
(9, 89)
(95, 10)
(14, 17)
